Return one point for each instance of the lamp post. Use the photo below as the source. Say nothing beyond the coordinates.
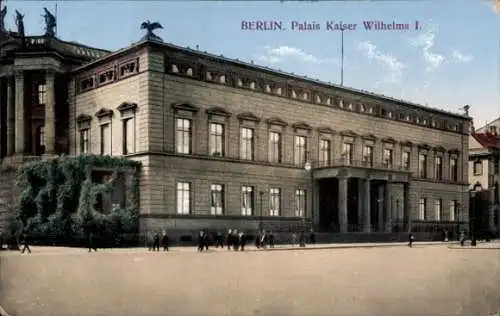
(308, 168)
(261, 198)
(472, 216)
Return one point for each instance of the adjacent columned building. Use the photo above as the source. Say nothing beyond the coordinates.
(227, 144)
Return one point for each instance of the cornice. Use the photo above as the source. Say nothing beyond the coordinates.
(406, 143)
(389, 140)
(248, 116)
(424, 146)
(83, 118)
(276, 121)
(185, 107)
(325, 130)
(369, 137)
(302, 125)
(104, 113)
(439, 149)
(454, 151)
(348, 133)
(127, 106)
(217, 110)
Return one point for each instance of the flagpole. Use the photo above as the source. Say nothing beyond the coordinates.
(342, 57)
(55, 16)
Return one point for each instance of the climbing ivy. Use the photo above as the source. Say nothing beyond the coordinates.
(57, 199)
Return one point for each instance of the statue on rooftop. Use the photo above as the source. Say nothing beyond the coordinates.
(20, 23)
(150, 27)
(50, 23)
(3, 13)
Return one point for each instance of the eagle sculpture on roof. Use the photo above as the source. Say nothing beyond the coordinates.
(150, 27)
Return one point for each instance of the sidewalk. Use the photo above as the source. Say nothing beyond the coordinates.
(494, 244)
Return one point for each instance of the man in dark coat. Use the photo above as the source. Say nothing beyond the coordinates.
(206, 240)
(242, 241)
(164, 241)
(26, 243)
(156, 242)
(235, 240)
(410, 239)
(302, 239)
(201, 238)
(92, 242)
(312, 237)
(270, 238)
(229, 239)
(219, 242)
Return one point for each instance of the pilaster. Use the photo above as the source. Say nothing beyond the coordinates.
(367, 222)
(407, 206)
(343, 204)
(388, 206)
(10, 117)
(380, 200)
(20, 137)
(50, 114)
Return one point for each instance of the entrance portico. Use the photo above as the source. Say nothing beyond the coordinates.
(352, 199)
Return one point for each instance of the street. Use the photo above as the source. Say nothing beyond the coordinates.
(424, 280)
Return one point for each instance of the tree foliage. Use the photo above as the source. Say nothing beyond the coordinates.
(57, 199)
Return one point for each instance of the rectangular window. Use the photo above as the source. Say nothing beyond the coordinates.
(274, 201)
(438, 168)
(246, 144)
(388, 158)
(274, 147)
(128, 142)
(422, 166)
(217, 199)
(183, 198)
(84, 141)
(324, 152)
(183, 133)
(106, 139)
(368, 155)
(247, 200)
(300, 150)
(405, 160)
(453, 210)
(478, 168)
(422, 209)
(39, 92)
(347, 153)
(453, 169)
(438, 209)
(216, 140)
(300, 203)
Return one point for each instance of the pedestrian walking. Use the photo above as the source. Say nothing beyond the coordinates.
(156, 242)
(164, 241)
(294, 239)
(271, 239)
(312, 237)
(220, 240)
(263, 239)
(462, 238)
(446, 235)
(302, 239)
(91, 242)
(201, 239)
(410, 239)
(235, 240)
(206, 240)
(229, 239)
(26, 243)
(242, 241)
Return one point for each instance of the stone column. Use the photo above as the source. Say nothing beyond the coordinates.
(388, 206)
(50, 114)
(367, 224)
(20, 116)
(407, 206)
(380, 205)
(10, 117)
(360, 201)
(315, 203)
(343, 204)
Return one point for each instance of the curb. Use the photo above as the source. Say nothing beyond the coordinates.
(474, 248)
(345, 247)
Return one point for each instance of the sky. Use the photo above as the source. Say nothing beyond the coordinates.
(452, 59)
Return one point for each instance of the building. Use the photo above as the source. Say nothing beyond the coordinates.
(227, 144)
(484, 175)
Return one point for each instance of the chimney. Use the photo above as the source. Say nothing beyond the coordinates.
(197, 47)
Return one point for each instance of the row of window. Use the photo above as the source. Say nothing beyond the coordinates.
(438, 212)
(183, 141)
(202, 73)
(105, 137)
(217, 205)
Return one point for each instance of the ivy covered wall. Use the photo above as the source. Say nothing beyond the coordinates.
(58, 198)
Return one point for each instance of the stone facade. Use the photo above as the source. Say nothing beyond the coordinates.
(162, 104)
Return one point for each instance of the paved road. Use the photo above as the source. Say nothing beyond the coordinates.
(426, 280)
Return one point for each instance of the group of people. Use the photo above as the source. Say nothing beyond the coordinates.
(155, 245)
